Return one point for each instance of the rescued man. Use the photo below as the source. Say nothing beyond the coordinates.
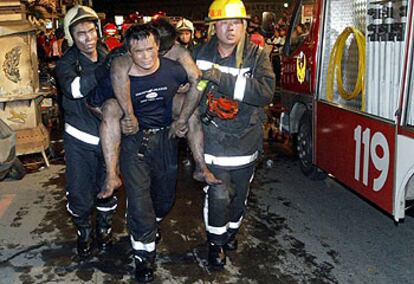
(148, 157)
(183, 109)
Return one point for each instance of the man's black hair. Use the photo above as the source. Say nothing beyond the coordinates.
(167, 33)
(140, 32)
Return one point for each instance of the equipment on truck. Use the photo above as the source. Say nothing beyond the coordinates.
(347, 90)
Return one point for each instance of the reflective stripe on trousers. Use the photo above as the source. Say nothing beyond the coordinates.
(225, 203)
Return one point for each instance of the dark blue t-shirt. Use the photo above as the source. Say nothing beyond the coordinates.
(152, 95)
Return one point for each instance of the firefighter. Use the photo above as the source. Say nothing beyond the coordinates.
(110, 32)
(185, 30)
(148, 158)
(240, 83)
(114, 110)
(78, 72)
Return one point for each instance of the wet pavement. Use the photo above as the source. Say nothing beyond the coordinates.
(295, 231)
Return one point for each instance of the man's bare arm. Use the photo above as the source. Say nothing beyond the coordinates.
(120, 67)
(193, 96)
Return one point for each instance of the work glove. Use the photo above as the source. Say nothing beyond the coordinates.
(213, 75)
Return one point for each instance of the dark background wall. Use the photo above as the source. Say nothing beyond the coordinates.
(194, 10)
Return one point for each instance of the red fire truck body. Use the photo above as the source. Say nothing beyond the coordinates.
(363, 137)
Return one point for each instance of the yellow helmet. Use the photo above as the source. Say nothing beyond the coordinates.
(226, 9)
(75, 15)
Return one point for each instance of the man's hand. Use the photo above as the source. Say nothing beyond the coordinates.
(115, 53)
(129, 125)
(178, 128)
(183, 88)
(205, 175)
(213, 75)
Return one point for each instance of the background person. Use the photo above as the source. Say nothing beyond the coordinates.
(111, 36)
(185, 34)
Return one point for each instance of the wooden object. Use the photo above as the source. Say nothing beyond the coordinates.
(33, 140)
(21, 114)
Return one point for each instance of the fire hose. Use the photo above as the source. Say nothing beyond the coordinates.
(335, 67)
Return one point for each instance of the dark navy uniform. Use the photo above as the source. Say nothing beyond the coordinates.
(85, 167)
(232, 146)
(149, 158)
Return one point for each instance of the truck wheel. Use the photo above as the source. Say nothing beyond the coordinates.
(304, 147)
(17, 170)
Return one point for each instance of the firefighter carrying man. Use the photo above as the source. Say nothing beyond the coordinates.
(79, 72)
(240, 83)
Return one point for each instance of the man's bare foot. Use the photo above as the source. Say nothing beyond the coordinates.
(111, 183)
(204, 175)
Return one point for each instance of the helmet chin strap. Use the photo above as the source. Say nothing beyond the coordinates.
(241, 47)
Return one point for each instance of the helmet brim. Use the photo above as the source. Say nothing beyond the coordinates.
(210, 21)
(86, 18)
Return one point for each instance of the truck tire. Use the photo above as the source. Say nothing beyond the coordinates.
(17, 170)
(304, 149)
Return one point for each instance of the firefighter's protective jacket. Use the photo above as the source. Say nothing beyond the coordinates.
(77, 79)
(236, 143)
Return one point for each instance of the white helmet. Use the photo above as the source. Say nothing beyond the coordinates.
(185, 25)
(75, 15)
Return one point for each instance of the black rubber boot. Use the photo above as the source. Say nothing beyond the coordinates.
(158, 236)
(103, 230)
(84, 241)
(216, 255)
(144, 269)
(231, 244)
(104, 239)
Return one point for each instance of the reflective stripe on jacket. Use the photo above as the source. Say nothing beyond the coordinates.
(235, 143)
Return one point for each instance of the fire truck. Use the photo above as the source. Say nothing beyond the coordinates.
(347, 91)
